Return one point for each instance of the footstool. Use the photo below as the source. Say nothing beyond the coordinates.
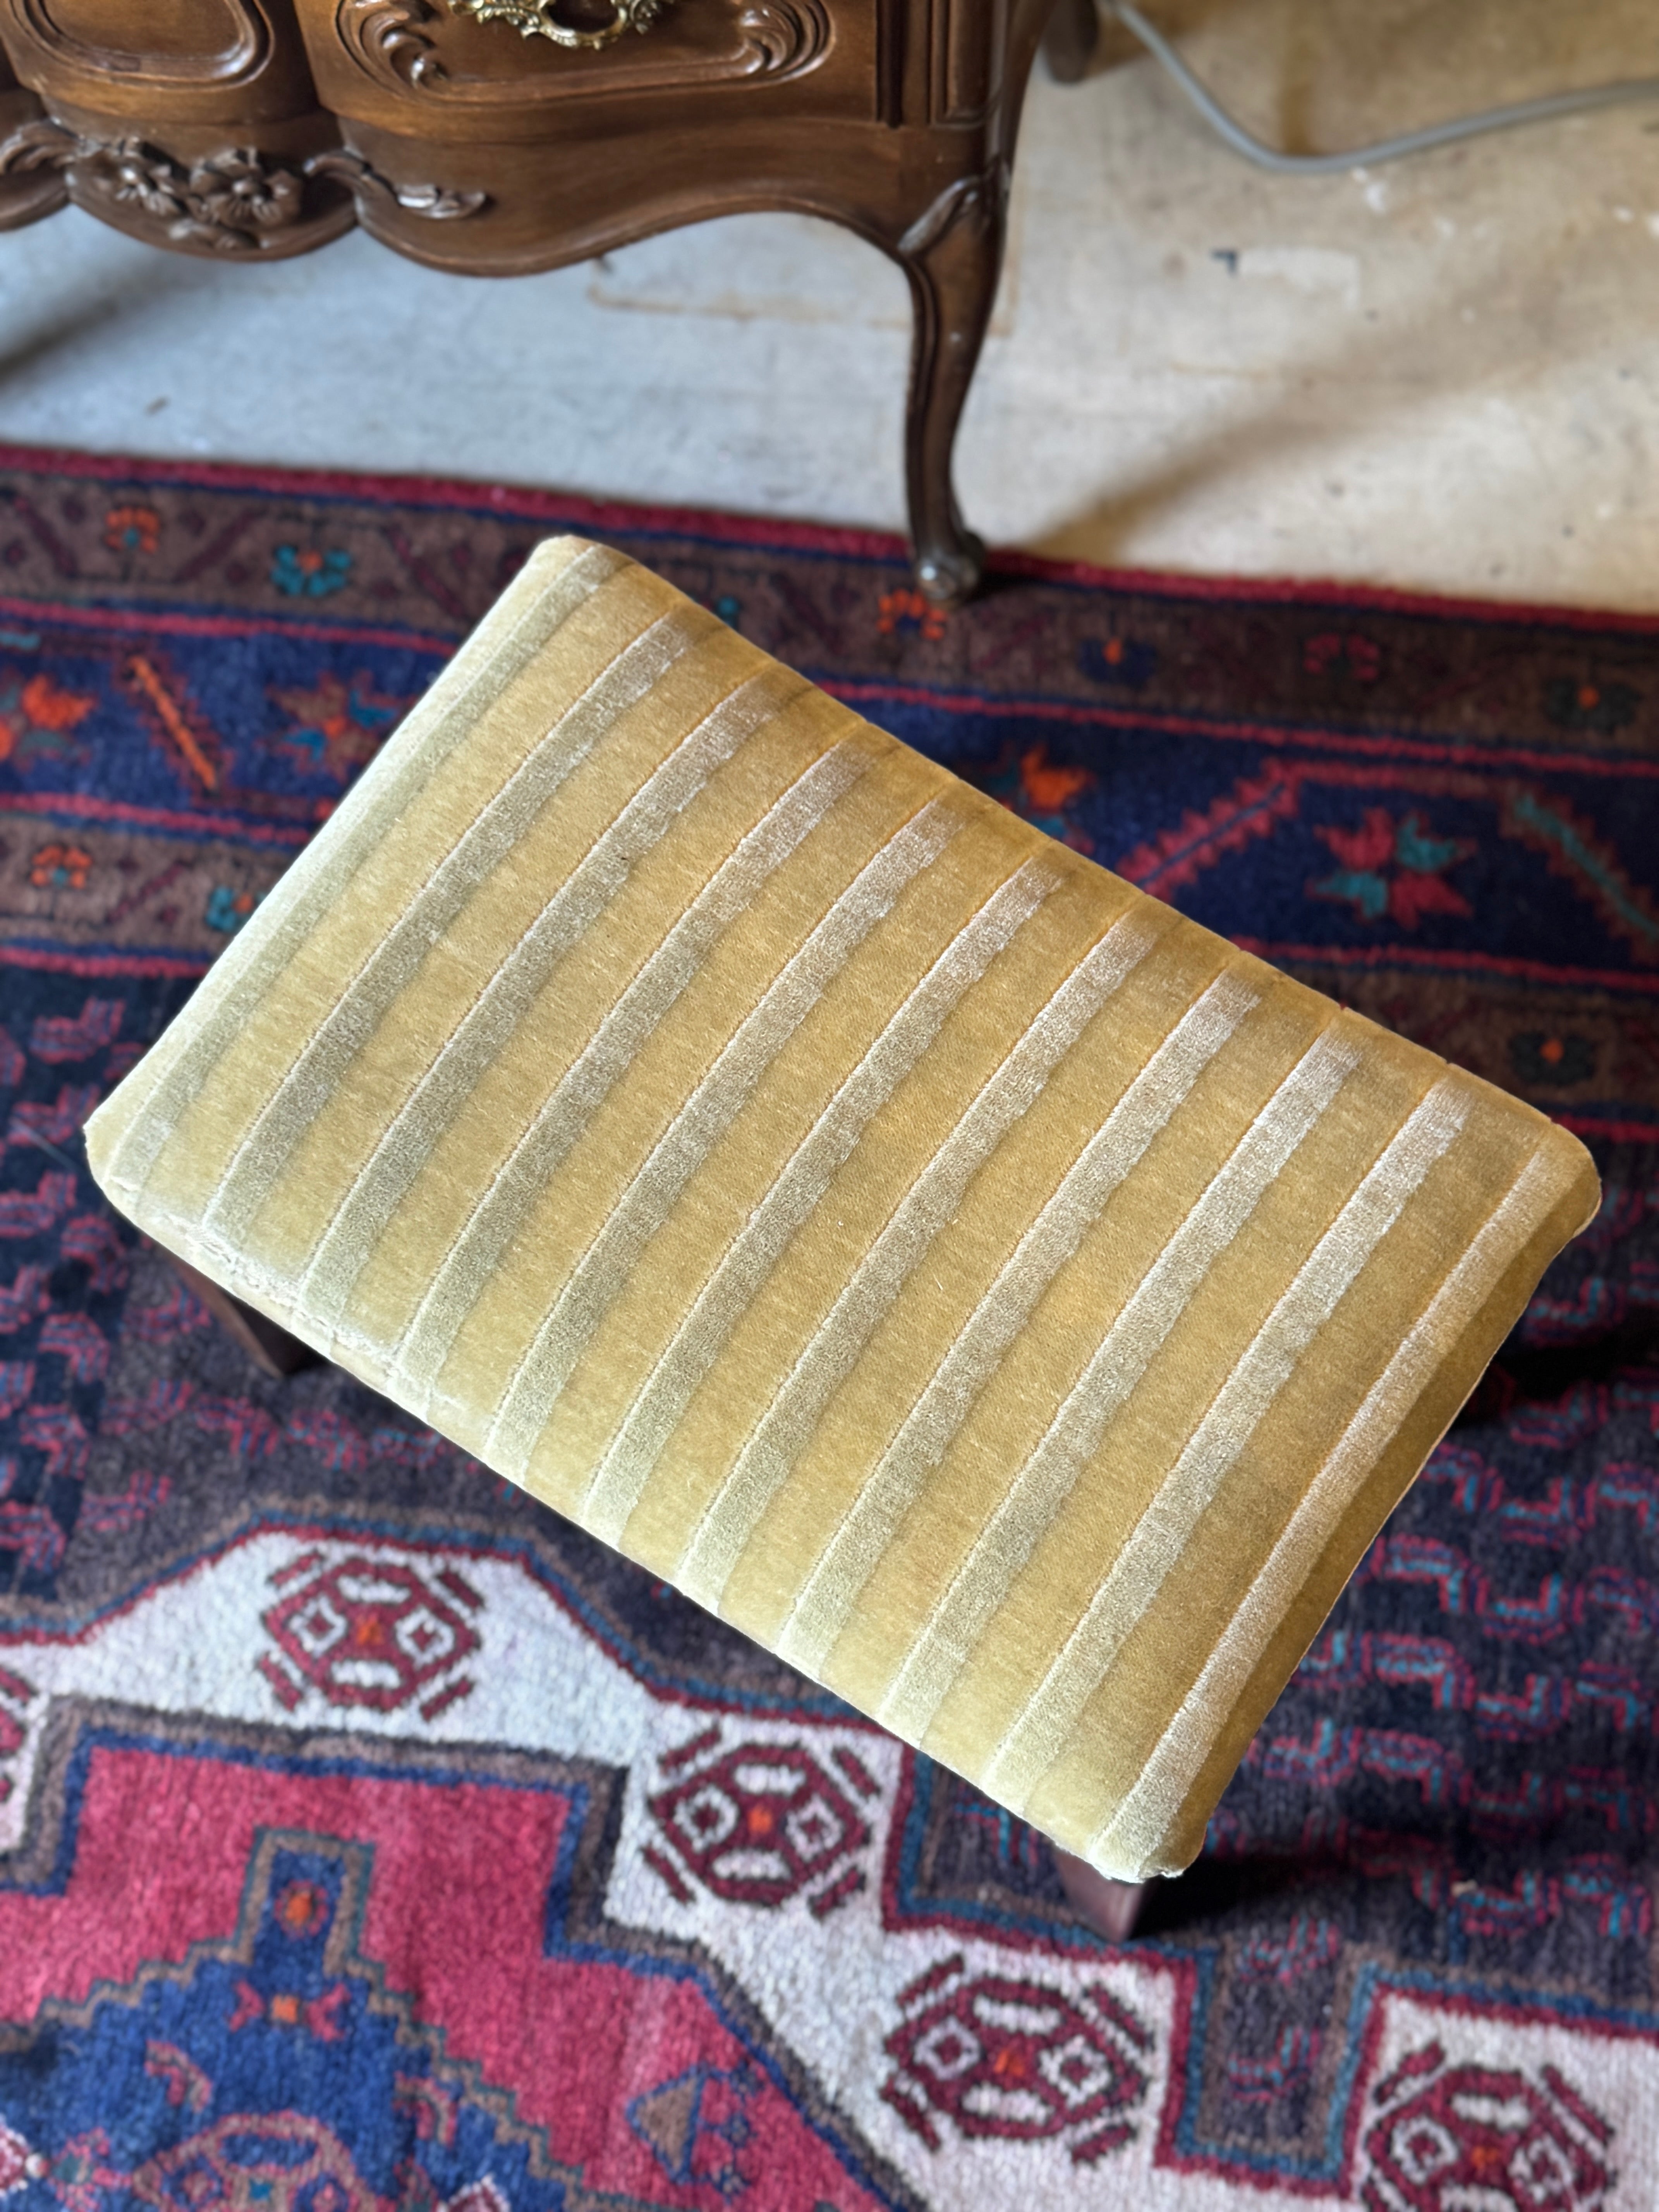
(1007, 1300)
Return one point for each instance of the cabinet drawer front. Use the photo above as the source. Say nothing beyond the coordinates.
(492, 68)
(164, 60)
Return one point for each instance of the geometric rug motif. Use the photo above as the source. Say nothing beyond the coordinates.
(372, 1841)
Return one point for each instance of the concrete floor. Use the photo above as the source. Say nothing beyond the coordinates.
(1443, 374)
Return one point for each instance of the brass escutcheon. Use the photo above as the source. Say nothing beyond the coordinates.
(589, 24)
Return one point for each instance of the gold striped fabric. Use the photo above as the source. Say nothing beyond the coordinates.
(1003, 1298)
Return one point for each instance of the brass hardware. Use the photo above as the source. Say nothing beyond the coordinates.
(536, 19)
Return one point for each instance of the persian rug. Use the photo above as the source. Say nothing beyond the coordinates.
(371, 1841)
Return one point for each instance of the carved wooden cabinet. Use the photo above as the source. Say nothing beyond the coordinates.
(498, 136)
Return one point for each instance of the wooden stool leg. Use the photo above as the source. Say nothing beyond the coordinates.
(1072, 34)
(1111, 1908)
(271, 1349)
(951, 256)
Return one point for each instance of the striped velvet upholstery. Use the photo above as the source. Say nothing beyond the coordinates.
(1005, 1299)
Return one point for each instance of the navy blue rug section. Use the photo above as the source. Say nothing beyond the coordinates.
(1446, 816)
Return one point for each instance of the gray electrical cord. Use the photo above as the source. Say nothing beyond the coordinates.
(1385, 149)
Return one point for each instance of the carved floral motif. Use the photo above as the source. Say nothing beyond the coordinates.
(234, 202)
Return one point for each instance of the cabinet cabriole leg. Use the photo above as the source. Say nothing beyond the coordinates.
(952, 256)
